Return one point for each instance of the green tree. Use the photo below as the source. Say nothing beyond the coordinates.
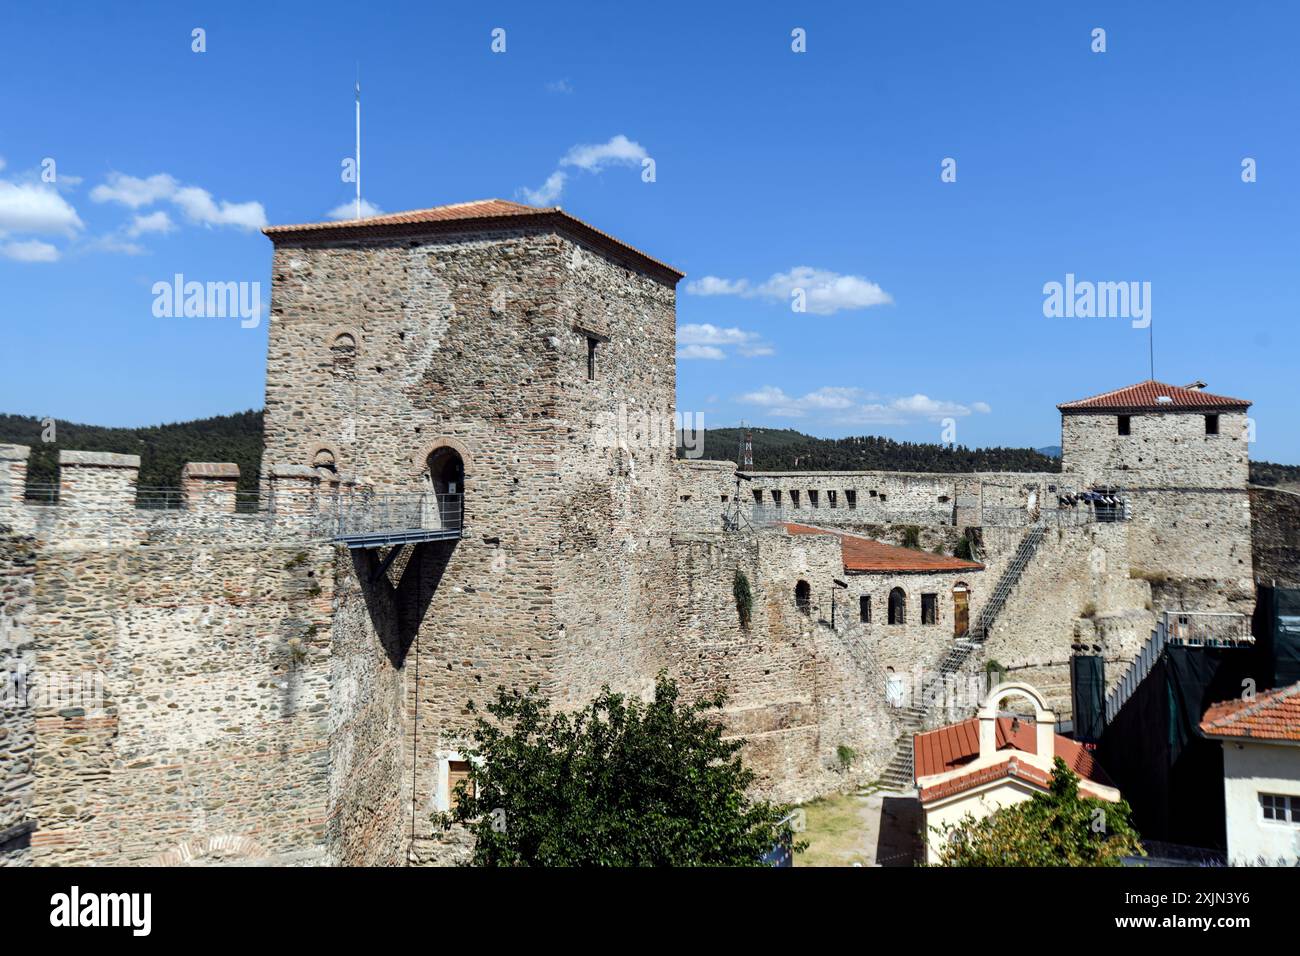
(620, 782)
(1057, 828)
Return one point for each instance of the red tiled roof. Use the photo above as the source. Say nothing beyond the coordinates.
(1008, 768)
(1273, 715)
(947, 748)
(1144, 396)
(465, 215)
(866, 554)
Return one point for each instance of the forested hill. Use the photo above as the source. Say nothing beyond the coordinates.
(163, 449)
(782, 449)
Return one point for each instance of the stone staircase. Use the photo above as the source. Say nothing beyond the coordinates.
(898, 774)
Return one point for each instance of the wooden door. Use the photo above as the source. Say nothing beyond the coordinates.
(960, 611)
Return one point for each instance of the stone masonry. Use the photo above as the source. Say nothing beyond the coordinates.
(222, 680)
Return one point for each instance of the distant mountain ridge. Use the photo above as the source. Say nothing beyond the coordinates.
(785, 449)
(163, 449)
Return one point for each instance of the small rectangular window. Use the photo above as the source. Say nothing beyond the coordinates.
(831, 498)
(758, 496)
(864, 609)
(929, 608)
(850, 498)
(1280, 808)
(812, 499)
(1123, 424)
(1211, 424)
(794, 499)
(458, 770)
(776, 497)
(591, 359)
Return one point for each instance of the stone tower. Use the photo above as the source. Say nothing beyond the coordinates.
(527, 358)
(1180, 457)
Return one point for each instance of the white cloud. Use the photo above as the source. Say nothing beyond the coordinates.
(32, 250)
(548, 192)
(705, 334)
(197, 204)
(153, 222)
(134, 192)
(35, 208)
(113, 242)
(846, 405)
(592, 157)
(559, 86)
(700, 352)
(703, 340)
(200, 207)
(712, 285)
(825, 292)
(348, 210)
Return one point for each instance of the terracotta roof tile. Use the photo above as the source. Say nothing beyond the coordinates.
(462, 216)
(1008, 768)
(868, 555)
(1145, 396)
(1273, 715)
(947, 748)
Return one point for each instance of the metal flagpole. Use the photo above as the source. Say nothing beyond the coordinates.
(358, 140)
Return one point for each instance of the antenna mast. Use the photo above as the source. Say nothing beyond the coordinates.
(358, 140)
(1151, 346)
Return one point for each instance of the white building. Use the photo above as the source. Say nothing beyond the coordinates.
(995, 760)
(1261, 775)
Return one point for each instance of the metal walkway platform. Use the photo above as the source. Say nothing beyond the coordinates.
(386, 520)
(384, 539)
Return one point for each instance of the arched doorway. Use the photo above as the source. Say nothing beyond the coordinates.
(897, 606)
(445, 474)
(803, 597)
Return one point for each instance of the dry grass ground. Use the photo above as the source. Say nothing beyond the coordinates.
(839, 831)
(863, 829)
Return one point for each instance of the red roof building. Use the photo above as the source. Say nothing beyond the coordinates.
(482, 214)
(866, 555)
(976, 767)
(1153, 396)
(1271, 716)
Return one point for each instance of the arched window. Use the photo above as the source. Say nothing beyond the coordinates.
(803, 597)
(897, 606)
(324, 458)
(343, 354)
(864, 609)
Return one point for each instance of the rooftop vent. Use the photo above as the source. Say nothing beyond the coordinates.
(1195, 386)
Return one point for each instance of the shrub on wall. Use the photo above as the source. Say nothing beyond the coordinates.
(744, 597)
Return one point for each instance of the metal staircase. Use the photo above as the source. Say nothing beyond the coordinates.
(898, 774)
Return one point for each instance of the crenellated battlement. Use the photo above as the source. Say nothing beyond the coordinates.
(97, 502)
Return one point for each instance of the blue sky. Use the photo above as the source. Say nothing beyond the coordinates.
(773, 170)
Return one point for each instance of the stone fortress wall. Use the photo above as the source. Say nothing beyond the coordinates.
(265, 695)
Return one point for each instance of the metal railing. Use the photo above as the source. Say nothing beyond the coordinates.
(1183, 628)
(1207, 628)
(371, 519)
(1137, 671)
